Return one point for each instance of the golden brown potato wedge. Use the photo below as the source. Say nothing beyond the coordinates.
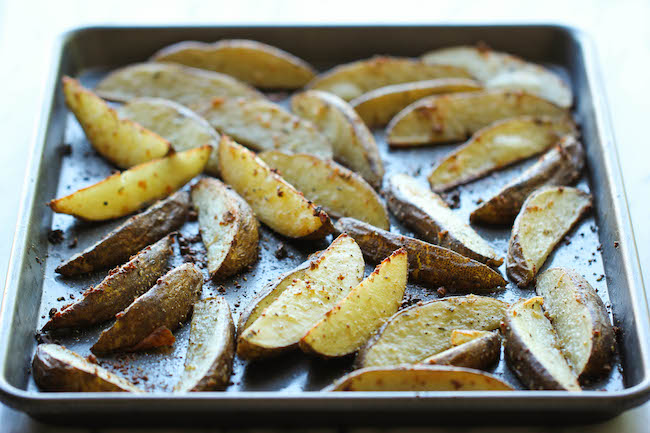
(130, 237)
(181, 126)
(453, 117)
(428, 264)
(353, 144)
(480, 353)
(580, 320)
(423, 330)
(117, 290)
(177, 83)
(347, 326)
(264, 125)
(462, 336)
(378, 106)
(352, 80)
(341, 192)
(147, 323)
(253, 62)
(276, 203)
(58, 369)
(532, 349)
(418, 378)
(228, 227)
(504, 71)
(498, 145)
(123, 142)
(545, 218)
(428, 214)
(123, 193)
(211, 349)
(304, 303)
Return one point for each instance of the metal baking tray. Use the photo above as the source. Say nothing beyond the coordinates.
(286, 389)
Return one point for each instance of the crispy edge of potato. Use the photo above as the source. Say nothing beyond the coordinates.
(462, 336)
(480, 353)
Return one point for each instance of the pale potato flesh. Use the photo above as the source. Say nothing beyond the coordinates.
(341, 192)
(352, 142)
(123, 142)
(496, 146)
(181, 126)
(462, 336)
(123, 193)
(347, 326)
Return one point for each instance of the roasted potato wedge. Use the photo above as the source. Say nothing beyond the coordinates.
(130, 237)
(341, 192)
(177, 83)
(480, 353)
(580, 321)
(228, 227)
(352, 80)
(353, 144)
(211, 349)
(275, 202)
(532, 348)
(418, 378)
(428, 264)
(117, 290)
(504, 71)
(496, 146)
(561, 165)
(253, 62)
(378, 106)
(462, 336)
(123, 142)
(181, 126)
(263, 125)
(545, 218)
(428, 214)
(304, 303)
(423, 330)
(147, 323)
(347, 326)
(453, 117)
(123, 193)
(58, 369)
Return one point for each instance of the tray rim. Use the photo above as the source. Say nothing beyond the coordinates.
(626, 398)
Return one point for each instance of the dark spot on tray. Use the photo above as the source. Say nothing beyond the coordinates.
(55, 236)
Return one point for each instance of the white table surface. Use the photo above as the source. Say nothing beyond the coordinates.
(620, 29)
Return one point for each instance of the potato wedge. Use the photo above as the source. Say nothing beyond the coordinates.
(500, 70)
(423, 330)
(428, 264)
(275, 202)
(561, 165)
(378, 106)
(341, 192)
(453, 117)
(498, 145)
(428, 214)
(462, 336)
(177, 83)
(545, 218)
(123, 142)
(58, 369)
(347, 326)
(117, 290)
(418, 378)
(532, 349)
(155, 314)
(253, 62)
(304, 303)
(181, 126)
(352, 80)
(353, 144)
(211, 349)
(480, 353)
(123, 193)
(263, 125)
(131, 236)
(580, 321)
(228, 227)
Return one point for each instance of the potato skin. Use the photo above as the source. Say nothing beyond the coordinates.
(130, 237)
(480, 353)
